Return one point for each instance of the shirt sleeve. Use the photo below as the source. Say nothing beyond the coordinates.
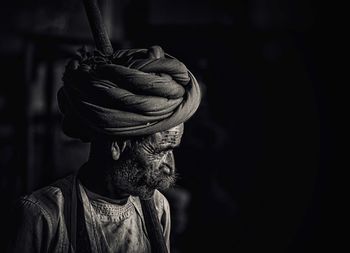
(32, 228)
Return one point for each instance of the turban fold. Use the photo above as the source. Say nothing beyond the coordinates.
(131, 93)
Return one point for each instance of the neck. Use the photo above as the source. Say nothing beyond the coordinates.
(95, 176)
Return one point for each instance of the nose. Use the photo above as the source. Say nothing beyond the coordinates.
(169, 160)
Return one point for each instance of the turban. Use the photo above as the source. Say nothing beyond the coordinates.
(131, 93)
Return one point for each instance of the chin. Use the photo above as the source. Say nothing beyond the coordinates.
(166, 183)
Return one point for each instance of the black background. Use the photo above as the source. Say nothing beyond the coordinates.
(259, 159)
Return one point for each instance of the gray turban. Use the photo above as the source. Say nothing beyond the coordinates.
(131, 93)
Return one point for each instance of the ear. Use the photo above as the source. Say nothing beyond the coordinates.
(117, 149)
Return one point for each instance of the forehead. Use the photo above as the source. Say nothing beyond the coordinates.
(170, 137)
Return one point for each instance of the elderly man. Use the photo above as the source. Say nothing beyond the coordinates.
(131, 106)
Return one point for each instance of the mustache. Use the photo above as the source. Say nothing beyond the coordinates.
(160, 181)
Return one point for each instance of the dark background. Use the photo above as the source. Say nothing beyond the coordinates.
(258, 158)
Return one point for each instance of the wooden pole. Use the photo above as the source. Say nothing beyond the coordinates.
(103, 44)
(98, 28)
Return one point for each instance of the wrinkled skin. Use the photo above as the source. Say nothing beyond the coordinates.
(147, 164)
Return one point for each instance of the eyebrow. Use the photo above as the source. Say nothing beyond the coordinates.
(168, 147)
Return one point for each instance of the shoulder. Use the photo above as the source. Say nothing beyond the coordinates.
(160, 201)
(47, 201)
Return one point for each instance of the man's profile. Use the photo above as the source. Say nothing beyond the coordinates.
(131, 106)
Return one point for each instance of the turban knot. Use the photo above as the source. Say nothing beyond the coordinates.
(131, 93)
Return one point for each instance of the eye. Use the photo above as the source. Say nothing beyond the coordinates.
(163, 152)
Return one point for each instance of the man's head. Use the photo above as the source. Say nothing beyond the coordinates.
(133, 93)
(141, 165)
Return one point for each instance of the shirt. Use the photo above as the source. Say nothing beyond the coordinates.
(41, 226)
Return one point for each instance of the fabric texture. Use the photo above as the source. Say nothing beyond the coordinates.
(131, 93)
(41, 226)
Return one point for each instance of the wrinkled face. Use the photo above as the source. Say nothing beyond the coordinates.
(148, 163)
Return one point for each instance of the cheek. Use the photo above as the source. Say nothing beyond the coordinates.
(150, 162)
